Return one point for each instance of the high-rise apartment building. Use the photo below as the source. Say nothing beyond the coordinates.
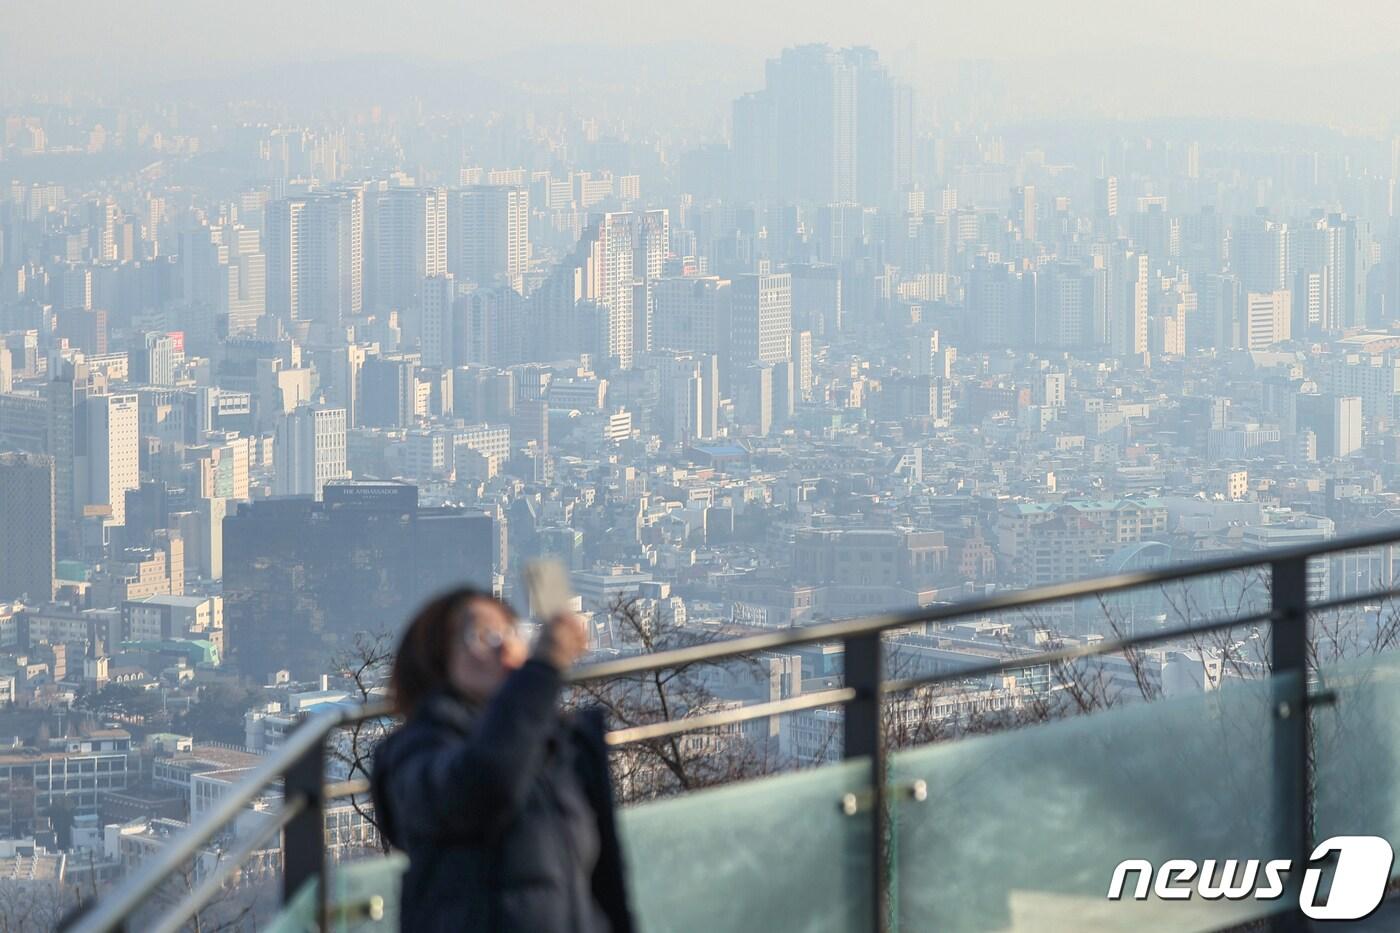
(27, 520)
(488, 234)
(599, 299)
(1129, 281)
(246, 271)
(223, 275)
(803, 381)
(316, 256)
(1106, 198)
(491, 327)
(1221, 303)
(405, 243)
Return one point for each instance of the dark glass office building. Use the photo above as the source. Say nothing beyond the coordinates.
(302, 577)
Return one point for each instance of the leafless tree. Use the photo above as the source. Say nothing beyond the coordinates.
(364, 668)
(34, 906)
(673, 764)
(245, 901)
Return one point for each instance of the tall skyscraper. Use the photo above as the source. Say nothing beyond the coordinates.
(65, 391)
(438, 320)
(1106, 198)
(405, 243)
(108, 459)
(158, 361)
(689, 396)
(246, 269)
(1129, 280)
(339, 369)
(223, 275)
(491, 328)
(753, 397)
(829, 126)
(1260, 254)
(1336, 249)
(592, 300)
(1222, 310)
(802, 357)
(1064, 306)
(310, 451)
(316, 256)
(1024, 208)
(817, 298)
(27, 520)
(761, 318)
(1335, 420)
(387, 388)
(1001, 304)
(488, 234)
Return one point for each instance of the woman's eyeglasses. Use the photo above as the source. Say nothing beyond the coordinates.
(484, 640)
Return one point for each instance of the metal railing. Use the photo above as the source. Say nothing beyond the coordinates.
(300, 762)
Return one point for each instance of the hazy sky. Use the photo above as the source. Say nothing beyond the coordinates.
(155, 35)
(1308, 60)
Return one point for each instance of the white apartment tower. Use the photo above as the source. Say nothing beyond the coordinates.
(315, 256)
(109, 463)
(1268, 319)
(310, 451)
(761, 318)
(406, 242)
(488, 234)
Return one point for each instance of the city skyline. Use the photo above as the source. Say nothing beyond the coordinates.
(750, 335)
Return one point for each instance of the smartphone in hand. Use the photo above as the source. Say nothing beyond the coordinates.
(550, 590)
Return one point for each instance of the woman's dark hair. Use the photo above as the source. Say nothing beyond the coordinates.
(420, 666)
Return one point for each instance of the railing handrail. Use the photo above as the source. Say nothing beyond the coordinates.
(796, 636)
(116, 906)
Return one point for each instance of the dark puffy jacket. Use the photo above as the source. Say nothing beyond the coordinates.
(506, 814)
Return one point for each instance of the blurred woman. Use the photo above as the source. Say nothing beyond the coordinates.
(502, 803)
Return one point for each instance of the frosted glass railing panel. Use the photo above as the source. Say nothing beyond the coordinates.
(1022, 830)
(364, 898)
(1356, 742)
(775, 855)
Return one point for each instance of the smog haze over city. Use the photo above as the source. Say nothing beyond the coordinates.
(758, 319)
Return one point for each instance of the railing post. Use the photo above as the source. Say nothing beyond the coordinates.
(1292, 777)
(304, 837)
(864, 737)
